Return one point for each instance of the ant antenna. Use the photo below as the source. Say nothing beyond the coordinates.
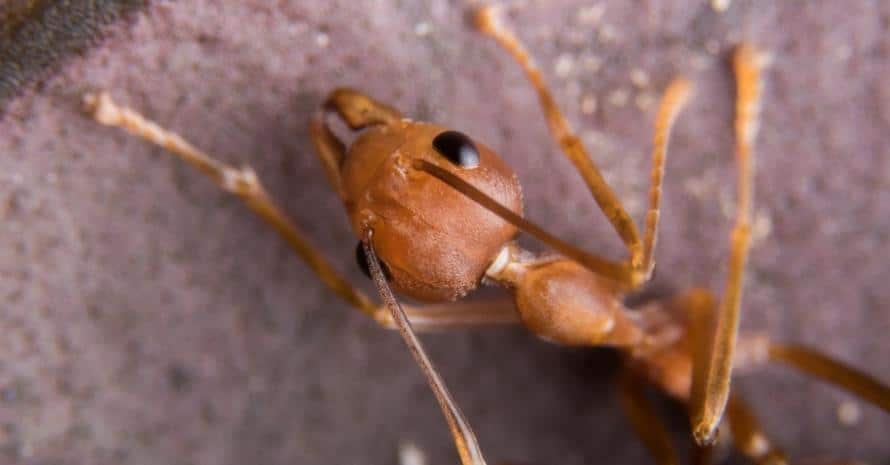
(464, 439)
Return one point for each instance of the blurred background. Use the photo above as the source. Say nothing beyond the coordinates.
(148, 318)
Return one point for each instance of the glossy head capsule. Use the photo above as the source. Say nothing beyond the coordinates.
(436, 242)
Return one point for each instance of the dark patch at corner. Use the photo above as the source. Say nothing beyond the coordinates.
(36, 36)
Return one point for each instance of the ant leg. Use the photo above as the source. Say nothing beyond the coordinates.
(711, 391)
(241, 182)
(755, 350)
(464, 438)
(488, 22)
(832, 371)
(358, 111)
(748, 436)
(701, 307)
(457, 315)
(245, 184)
(674, 99)
(701, 455)
(645, 421)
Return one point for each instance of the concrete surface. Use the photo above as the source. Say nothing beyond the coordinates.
(148, 318)
(37, 37)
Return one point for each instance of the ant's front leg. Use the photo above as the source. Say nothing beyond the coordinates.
(241, 182)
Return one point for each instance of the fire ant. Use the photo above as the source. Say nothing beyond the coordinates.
(436, 214)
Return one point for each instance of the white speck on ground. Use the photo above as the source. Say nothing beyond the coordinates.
(720, 5)
(849, 413)
(565, 64)
(618, 97)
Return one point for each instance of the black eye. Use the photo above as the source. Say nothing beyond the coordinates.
(362, 261)
(457, 148)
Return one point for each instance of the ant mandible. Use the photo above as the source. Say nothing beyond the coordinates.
(436, 214)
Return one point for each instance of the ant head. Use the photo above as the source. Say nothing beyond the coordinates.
(435, 242)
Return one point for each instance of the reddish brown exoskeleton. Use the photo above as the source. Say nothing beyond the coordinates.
(436, 214)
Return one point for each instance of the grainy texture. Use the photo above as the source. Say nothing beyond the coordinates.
(148, 318)
(36, 36)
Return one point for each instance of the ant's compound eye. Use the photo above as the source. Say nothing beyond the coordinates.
(457, 148)
(362, 261)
